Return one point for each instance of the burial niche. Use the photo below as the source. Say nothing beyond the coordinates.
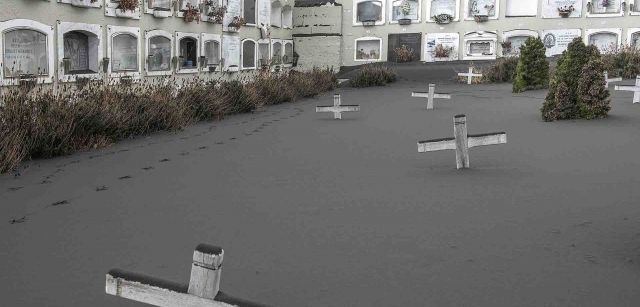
(287, 16)
(288, 53)
(25, 53)
(212, 53)
(404, 47)
(248, 54)
(249, 11)
(80, 53)
(159, 53)
(188, 53)
(518, 8)
(369, 11)
(605, 41)
(277, 53)
(443, 7)
(263, 54)
(635, 40)
(605, 7)
(159, 5)
(368, 49)
(405, 9)
(124, 53)
(482, 8)
(276, 14)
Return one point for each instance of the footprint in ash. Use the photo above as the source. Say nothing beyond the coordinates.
(165, 160)
(13, 189)
(125, 177)
(146, 168)
(59, 203)
(102, 188)
(18, 220)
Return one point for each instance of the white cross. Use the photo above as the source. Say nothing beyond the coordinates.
(430, 96)
(607, 80)
(337, 108)
(469, 75)
(634, 89)
(462, 141)
(203, 289)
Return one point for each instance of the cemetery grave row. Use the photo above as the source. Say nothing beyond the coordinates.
(484, 45)
(379, 12)
(68, 51)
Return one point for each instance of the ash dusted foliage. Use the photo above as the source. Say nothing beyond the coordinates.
(373, 75)
(532, 70)
(623, 62)
(593, 95)
(562, 99)
(35, 122)
(503, 70)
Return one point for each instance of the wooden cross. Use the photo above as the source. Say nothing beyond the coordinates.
(462, 141)
(203, 289)
(634, 89)
(469, 75)
(430, 96)
(338, 108)
(607, 80)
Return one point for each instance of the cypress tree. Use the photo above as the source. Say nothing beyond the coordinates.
(593, 95)
(532, 71)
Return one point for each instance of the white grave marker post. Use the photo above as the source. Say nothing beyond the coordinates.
(337, 108)
(469, 75)
(607, 80)
(462, 141)
(431, 95)
(635, 89)
(203, 289)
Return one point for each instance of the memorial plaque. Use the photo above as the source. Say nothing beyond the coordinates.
(248, 54)
(405, 9)
(25, 52)
(443, 7)
(605, 7)
(231, 51)
(557, 41)
(635, 40)
(277, 49)
(160, 4)
(521, 8)
(212, 52)
(482, 7)
(550, 8)
(446, 41)
(124, 53)
(368, 50)
(605, 41)
(234, 8)
(369, 11)
(76, 49)
(159, 53)
(412, 41)
(480, 48)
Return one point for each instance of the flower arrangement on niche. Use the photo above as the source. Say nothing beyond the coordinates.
(127, 5)
(191, 13)
(403, 54)
(442, 18)
(216, 13)
(441, 51)
(237, 22)
(566, 10)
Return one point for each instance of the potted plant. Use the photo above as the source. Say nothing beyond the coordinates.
(236, 23)
(442, 18)
(405, 9)
(565, 10)
(191, 14)
(215, 12)
(442, 53)
(506, 46)
(368, 23)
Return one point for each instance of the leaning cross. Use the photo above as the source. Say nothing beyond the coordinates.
(203, 289)
(469, 75)
(607, 80)
(338, 108)
(635, 89)
(430, 96)
(462, 142)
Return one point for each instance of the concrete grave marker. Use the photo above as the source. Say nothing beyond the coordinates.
(607, 80)
(337, 108)
(469, 75)
(431, 95)
(462, 141)
(203, 289)
(635, 89)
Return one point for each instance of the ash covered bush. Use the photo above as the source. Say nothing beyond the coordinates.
(373, 75)
(562, 99)
(503, 70)
(593, 95)
(532, 70)
(36, 122)
(623, 62)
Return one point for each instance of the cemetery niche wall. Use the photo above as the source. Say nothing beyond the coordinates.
(79, 51)
(480, 45)
(606, 40)
(248, 54)
(27, 52)
(557, 41)
(368, 49)
(404, 47)
(441, 47)
(158, 8)
(187, 52)
(481, 10)
(123, 48)
(561, 8)
(212, 52)
(634, 7)
(231, 52)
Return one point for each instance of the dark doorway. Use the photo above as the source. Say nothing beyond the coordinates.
(404, 47)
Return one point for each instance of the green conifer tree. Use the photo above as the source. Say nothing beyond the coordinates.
(593, 95)
(532, 71)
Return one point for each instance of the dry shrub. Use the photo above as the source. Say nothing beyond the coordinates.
(36, 123)
(373, 75)
(624, 62)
